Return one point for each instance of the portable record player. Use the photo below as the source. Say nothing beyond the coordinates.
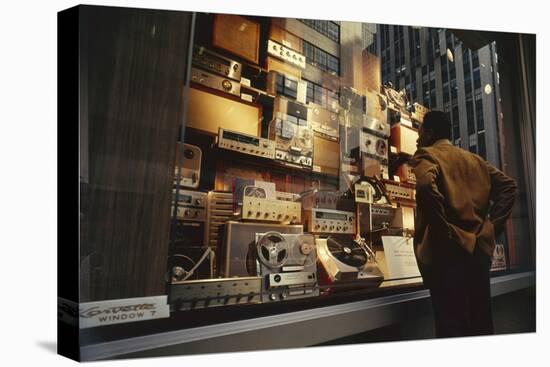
(347, 259)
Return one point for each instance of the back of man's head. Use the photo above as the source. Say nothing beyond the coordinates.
(438, 122)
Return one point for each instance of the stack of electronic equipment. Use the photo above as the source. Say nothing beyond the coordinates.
(249, 239)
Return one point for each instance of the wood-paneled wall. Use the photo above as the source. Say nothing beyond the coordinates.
(136, 63)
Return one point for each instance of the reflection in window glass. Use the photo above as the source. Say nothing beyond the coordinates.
(321, 59)
(325, 27)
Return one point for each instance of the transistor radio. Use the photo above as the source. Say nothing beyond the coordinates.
(188, 165)
(247, 144)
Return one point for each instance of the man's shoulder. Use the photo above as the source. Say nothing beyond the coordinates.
(444, 152)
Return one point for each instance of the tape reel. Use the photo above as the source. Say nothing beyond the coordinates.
(304, 253)
(304, 139)
(276, 250)
(272, 250)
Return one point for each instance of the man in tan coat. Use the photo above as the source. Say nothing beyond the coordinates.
(462, 204)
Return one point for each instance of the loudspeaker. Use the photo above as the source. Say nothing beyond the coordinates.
(208, 112)
(326, 155)
(404, 138)
(237, 35)
(188, 158)
(285, 38)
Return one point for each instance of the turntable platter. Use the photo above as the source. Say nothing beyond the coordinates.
(347, 251)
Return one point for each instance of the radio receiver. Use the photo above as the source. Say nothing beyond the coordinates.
(215, 63)
(247, 144)
(190, 205)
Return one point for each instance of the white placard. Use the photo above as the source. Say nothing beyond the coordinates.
(499, 258)
(118, 311)
(245, 81)
(247, 97)
(400, 259)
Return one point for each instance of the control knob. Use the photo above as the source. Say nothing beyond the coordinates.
(226, 84)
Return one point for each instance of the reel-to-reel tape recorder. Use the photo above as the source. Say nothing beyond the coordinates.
(292, 133)
(287, 264)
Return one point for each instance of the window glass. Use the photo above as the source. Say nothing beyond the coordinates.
(270, 151)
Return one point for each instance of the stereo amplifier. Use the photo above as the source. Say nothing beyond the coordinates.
(218, 64)
(248, 144)
(319, 220)
(216, 82)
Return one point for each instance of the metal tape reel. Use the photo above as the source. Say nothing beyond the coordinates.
(307, 249)
(272, 249)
